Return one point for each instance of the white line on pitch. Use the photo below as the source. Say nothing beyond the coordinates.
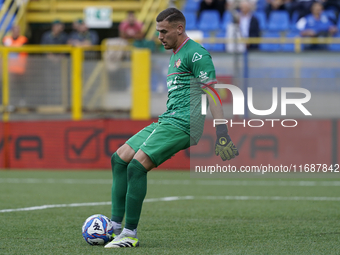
(167, 199)
(176, 182)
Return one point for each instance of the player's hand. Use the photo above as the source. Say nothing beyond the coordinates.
(224, 145)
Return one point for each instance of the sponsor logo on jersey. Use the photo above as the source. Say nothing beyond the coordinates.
(175, 81)
(169, 83)
(172, 88)
(178, 63)
(203, 76)
(196, 57)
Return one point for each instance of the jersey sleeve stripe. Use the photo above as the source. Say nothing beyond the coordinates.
(210, 83)
(207, 85)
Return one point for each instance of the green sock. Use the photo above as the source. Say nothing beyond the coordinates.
(119, 187)
(136, 192)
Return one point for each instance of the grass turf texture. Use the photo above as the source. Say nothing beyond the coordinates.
(197, 226)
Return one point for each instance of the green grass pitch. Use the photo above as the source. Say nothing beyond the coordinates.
(202, 216)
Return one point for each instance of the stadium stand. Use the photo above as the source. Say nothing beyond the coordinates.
(293, 21)
(334, 46)
(261, 17)
(260, 5)
(331, 14)
(68, 11)
(290, 46)
(270, 46)
(215, 46)
(219, 46)
(278, 21)
(227, 18)
(209, 20)
(191, 5)
(280, 24)
(191, 20)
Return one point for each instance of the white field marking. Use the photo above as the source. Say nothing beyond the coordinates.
(176, 182)
(244, 183)
(168, 199)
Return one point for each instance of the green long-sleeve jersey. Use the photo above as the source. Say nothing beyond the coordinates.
(190, 68)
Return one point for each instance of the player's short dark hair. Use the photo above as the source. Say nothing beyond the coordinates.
(171, 15)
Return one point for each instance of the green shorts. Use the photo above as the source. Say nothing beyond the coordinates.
(160, 141)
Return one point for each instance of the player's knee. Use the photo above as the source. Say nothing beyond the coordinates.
(144, 159)
(136, 169)
(126, 153)
(130, 172)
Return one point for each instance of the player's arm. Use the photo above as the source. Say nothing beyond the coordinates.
(215, 109)
(203, 69)
(224, 145)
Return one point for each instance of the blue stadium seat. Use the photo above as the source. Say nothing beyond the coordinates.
(335, 46)
(278, 21)
(260, 5)
(227, 18)
(214, 46)
(270, 46)
(191, 20)
(209, 20)
(191, 5)
(261, 16)
(207, 46)
(219, 46)
(290, 46)
(294, 20)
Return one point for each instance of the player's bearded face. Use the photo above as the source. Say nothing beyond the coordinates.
(168, 34)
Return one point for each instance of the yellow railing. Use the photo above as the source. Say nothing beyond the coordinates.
(5, 85)
(141, 83)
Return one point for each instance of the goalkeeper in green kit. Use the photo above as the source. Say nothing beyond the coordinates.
(177, 129)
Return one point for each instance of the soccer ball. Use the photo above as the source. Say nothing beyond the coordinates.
(97, 229)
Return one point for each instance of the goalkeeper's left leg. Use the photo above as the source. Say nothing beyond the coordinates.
(162, 143)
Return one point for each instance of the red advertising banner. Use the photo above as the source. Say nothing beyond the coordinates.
(310, 142)
(89, 144)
